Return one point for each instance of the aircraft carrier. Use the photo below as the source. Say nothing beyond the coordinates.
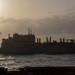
(26, 44)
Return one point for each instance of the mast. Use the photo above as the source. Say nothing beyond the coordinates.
(29, 31)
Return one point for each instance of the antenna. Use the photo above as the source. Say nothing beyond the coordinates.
(29, 31)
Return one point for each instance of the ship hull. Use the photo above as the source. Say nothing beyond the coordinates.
(39, 48)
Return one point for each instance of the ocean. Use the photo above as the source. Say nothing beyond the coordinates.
(13, 62)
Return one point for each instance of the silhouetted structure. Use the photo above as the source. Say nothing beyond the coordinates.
(25, 44)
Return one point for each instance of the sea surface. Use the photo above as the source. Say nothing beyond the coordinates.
(13, 62)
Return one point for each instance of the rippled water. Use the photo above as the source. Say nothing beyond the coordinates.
(40, 60)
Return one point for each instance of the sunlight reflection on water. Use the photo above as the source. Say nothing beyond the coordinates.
(38, 60)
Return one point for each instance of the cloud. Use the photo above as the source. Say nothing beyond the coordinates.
(56, 25)
(47, 26)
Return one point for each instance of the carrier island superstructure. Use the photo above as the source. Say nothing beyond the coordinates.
(26, 44)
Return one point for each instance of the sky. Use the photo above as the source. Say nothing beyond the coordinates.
(46, 17)
(35, 8)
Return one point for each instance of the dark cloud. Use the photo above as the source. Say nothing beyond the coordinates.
(56, 25)
(46, 26)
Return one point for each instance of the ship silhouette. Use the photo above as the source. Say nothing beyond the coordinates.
(25, 44)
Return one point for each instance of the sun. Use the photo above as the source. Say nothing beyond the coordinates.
(2, 7)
